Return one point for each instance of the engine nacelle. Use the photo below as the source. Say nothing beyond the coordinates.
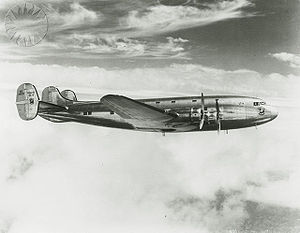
(195, 114)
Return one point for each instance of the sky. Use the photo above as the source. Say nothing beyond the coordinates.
(77, 178)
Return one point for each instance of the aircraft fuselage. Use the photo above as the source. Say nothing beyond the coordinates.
(232, 112)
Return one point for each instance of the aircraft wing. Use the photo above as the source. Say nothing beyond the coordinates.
(135, 111)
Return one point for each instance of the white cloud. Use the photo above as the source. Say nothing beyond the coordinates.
(176, 78)
(78, 178)
(89, 46)
(78, 31)
(76, 16)
(292, 59)
(93, 47)
(79, 15)
(161, 18)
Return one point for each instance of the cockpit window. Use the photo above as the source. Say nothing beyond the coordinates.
(259, 103)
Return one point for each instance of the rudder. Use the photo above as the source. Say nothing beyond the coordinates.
(27, 101)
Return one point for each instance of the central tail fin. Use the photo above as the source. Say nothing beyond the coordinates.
(27, 101)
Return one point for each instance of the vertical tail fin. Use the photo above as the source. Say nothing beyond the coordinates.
(52, 95)
(27, 101)
(69, 94)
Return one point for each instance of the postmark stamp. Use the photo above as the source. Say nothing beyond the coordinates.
(26, 24)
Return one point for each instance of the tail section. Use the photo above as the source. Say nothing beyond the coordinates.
(27, 101)
(52, 95)
(29, 104)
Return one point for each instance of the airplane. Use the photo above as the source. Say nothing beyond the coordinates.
(165, 115)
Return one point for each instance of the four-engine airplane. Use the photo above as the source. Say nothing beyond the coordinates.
(172, 114)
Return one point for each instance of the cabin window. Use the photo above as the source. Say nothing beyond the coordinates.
(157, 102)
(256, 103)
(111, 113)
(194, 100)
(173, 101)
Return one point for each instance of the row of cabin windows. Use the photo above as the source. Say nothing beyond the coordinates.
(173, 101)
(254, 103)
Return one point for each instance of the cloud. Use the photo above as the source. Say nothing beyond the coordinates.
(292, 59)
(61, 16)
(165, 18)
(93, 47)
(88, 46)
(176, 78)
(79, 14)
(21, 167)
(74, 16)
(118, 30)
(225, 210)
(79, 178)
(80, 30)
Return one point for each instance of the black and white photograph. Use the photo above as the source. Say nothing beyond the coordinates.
(150, 116)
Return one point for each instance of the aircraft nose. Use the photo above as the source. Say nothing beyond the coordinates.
(273, 112)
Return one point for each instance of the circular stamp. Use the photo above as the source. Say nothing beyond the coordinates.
(26, 24)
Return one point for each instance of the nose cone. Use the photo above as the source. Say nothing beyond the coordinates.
(273, 112)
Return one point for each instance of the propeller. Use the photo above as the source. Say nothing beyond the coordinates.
(218, 115)
(202, 118)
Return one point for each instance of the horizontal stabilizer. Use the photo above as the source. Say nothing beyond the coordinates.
(27, 101)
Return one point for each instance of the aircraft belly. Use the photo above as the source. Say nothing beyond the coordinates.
(97, 119)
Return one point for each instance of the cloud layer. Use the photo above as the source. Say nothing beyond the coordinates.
(75, 178)
(164, 18)
(87, 31)
(176, 78)
(293, 60)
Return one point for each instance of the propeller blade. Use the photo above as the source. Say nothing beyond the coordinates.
(201, 123)
(202, 112)
(218, 115)
(202, 102)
